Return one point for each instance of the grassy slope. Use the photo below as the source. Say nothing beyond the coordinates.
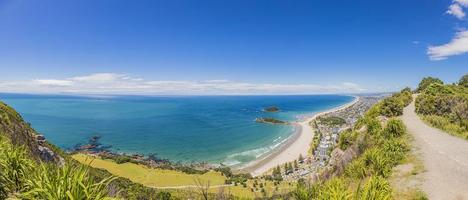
(148, 176)
(171, 178)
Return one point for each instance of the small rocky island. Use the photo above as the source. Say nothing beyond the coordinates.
(271, 109)
(269, 120)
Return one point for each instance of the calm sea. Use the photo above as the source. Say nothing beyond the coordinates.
(217, 129)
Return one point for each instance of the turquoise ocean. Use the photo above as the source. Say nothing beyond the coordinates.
(215, 129)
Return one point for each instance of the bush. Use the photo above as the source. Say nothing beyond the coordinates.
(463, 81)
(15, 166)
(395, 150)
(376, 188)
(67, 182)
(446, 125)
(122, 159)
(391, 107)
(335, 189)
(376, 160)
(357, 169)
(425, 82)
(347, 138)
(394, 128)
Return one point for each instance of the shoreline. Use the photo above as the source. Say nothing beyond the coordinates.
(297, 144)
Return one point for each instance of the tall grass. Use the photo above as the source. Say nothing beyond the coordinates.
(67, 182)
(15, 166)
(376, 188)
(21, 177)
(445, 124)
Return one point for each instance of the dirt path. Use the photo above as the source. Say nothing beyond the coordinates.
(445, 159)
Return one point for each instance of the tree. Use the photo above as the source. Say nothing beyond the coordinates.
(406, 89)
(463, 81)
(425, 82)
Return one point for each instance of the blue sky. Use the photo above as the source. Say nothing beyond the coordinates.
(240, 46)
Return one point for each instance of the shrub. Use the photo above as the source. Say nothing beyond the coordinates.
(373, 126)
(335, 189)
(446, 125)
(67, 182)
(346, 139)
(391, 107)
(376, 188)
(357, 169)
(394, 128)
(425, 82)
(395, 150)
(463, 81)
(377, 162)
(15, 166)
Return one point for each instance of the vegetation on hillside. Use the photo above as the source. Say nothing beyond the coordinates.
(23, 178)
(269, 120)
(444, 106)
(382, 145)
(331, 121)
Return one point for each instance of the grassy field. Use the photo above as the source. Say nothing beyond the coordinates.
(170, 178)
(148, 176)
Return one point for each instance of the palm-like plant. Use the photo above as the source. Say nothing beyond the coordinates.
(377, 188)
(306, 191)
(67, 182)
(335, 189)
(14, 167)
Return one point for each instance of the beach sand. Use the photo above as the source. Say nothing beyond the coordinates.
(297, 144)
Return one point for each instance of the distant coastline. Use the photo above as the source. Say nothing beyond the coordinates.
(297, 144)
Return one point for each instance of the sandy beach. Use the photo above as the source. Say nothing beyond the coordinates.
(298, 144)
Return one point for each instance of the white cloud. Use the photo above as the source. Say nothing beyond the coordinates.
(110, 83)
(100, 77)
(456, 10)
(462, 2)
(458, 45)
(53, 82)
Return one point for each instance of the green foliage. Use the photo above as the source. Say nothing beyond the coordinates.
(66, 182)
(22, 177)
(445, 107)
(347, 138)
(425, 82)
(15, 166)
(376, 188)
(406, 89)
(332, 121)
(463, 81)
(306, 192)
(335, 189)
(377, 162)
(394, 128)
(357, 169)
(122, 159)
(391, 107)
(395, 149)
(373, 126)
(445, 124)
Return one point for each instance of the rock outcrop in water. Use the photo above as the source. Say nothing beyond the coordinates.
(270, 120)
(271, 109)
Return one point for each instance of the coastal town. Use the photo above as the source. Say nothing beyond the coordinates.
(327, 130)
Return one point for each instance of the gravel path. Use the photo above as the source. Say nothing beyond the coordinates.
(445, 159)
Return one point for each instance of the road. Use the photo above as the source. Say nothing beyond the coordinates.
(445, 159)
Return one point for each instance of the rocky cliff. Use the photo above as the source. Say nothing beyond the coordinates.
(19, 132)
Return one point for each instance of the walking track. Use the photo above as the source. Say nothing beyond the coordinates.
(445, 159)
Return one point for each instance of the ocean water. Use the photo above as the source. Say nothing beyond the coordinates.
(215, 129)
